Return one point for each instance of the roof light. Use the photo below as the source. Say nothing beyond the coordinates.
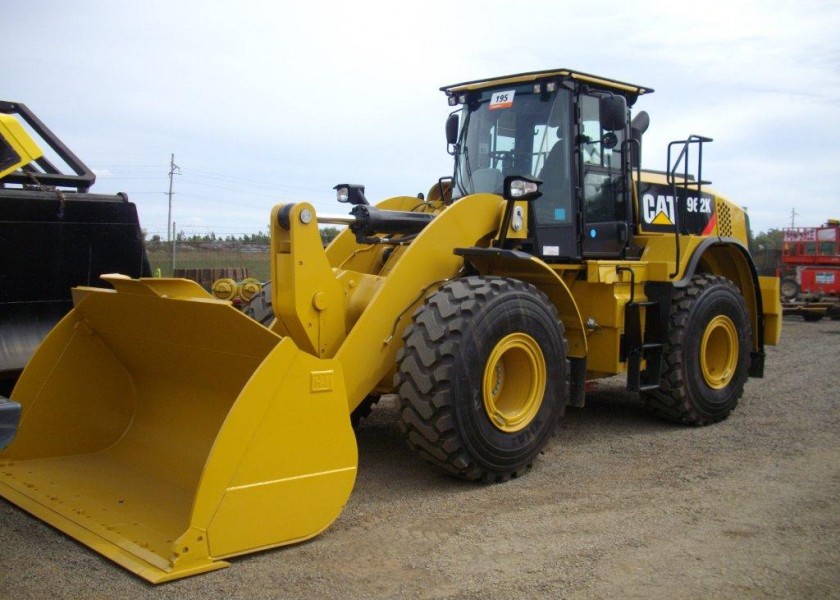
(551, 86)
(452, 100)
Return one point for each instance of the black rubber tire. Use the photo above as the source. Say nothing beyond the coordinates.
(684, 395)
(440, 376)
(362, 412)
(789, 289)
(812, 317)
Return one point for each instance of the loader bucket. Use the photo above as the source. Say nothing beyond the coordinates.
(167, 431)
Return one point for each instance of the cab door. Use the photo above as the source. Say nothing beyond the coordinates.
(603, 184)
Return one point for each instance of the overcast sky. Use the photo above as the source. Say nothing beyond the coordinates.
(267, 102)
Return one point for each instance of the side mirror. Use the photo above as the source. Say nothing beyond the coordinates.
(609, 141)
(452, 129)
(613, 113)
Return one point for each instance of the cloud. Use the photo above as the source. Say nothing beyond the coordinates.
(303, 95)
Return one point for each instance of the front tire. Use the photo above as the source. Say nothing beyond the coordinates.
(482, 377)
(706, 356)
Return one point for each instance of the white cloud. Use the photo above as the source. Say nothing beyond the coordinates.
(299, 96)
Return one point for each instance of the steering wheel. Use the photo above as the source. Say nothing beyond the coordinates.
(501, 158)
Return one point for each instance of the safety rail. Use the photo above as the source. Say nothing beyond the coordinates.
(42, 172)
(687, 180)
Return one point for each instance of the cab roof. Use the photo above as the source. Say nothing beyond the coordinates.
(630, 90)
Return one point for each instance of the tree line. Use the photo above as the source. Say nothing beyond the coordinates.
(327, 235)
(760, 243)
(766, 240)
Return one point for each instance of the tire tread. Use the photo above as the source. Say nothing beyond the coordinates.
(424, 368)
(672, 400)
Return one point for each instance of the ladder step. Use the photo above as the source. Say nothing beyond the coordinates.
(635, 349)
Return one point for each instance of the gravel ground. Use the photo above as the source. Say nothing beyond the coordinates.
(620, 505)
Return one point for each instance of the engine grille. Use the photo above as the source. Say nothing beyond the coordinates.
(724, 220)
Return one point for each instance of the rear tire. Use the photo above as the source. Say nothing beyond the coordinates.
(706, 355)
(482, 377)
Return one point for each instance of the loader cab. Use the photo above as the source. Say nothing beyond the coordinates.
(570, 132)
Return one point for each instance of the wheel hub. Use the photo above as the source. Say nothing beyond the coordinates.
(514, 382)
(719, 352)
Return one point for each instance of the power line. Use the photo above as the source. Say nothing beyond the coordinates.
(245, 185)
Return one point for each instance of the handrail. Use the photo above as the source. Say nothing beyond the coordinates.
(49, 174)
(671, 178)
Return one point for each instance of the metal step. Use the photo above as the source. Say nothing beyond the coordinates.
(636, 346)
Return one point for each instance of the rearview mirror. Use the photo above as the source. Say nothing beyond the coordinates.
(452, 129)
(613, 113)
(609, 141)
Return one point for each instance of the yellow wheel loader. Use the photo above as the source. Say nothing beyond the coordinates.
(168, 431)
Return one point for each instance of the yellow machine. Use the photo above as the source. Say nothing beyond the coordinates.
(168, 431)
(16, 146)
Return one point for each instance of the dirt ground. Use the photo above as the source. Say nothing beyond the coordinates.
(620, 505)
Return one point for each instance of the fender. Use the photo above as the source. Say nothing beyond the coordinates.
(523, 266)
(729, 258)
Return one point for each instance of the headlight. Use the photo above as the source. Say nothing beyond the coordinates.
(518, 187)
(350, 192)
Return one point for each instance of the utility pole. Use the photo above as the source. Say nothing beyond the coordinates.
(173, 170)
(793, 215)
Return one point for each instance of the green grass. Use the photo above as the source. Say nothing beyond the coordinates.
(256, 263)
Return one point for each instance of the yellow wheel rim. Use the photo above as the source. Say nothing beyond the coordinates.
(514, 382)
(719, 352)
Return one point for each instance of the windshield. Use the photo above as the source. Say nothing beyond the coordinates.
(509, 132)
